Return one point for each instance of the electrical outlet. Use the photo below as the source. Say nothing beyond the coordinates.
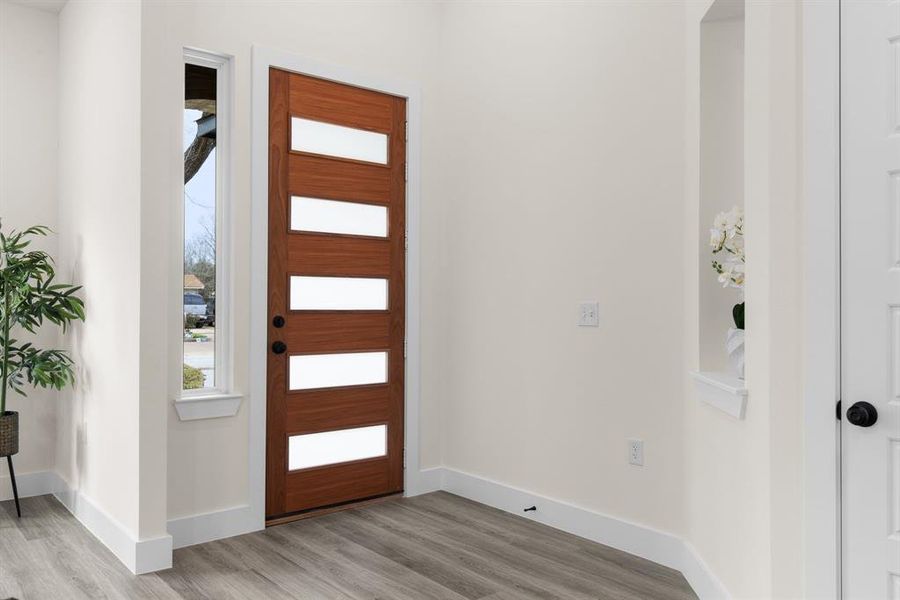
(636, 452)
(589, 314)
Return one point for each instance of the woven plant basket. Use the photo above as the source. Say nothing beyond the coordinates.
(9, 433)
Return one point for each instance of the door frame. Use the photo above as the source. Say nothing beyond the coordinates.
(821, 104)
(262, 59)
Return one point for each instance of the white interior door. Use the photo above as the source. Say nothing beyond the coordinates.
(870, 344)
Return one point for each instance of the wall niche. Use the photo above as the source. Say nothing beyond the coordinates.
(721, 188)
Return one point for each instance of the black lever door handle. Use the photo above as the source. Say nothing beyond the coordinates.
(862, 414)
(279, 347)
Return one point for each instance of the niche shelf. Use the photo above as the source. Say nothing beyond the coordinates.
(721, 390)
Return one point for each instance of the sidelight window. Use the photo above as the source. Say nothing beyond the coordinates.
(205, 320)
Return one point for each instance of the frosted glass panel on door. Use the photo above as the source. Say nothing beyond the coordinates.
(337, 140)
(338, 293)
(314, 371)
(332, 216)
(332, 447)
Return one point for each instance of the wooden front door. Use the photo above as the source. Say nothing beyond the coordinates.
(337, 190)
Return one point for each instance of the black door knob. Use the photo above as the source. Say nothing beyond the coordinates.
(278, 321)
(862, 414)
(279, 347)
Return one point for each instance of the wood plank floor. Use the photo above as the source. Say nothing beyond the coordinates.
(437, 546)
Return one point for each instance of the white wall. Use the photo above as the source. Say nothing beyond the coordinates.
(99, 194)
(721, 172)
(562, 164)
(775, 72)
(742, 478)
(726, 469)
(521, 389)
(28, 145)
(156, 247)
(207, 460)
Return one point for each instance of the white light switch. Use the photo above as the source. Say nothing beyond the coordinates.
(589, 314)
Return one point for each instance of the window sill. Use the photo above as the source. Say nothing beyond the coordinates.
(723, 391)
(208, 406)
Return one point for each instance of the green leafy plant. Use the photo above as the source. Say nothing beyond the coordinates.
(191, 321)
(192, 378)
(738, 314)
(29, 296)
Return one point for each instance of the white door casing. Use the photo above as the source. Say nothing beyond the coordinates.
(870, 323)
(416, 480)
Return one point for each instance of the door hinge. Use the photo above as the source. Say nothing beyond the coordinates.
(406, 241)
(405, 131)
(404, 348)
(406, 171)
(404, 458)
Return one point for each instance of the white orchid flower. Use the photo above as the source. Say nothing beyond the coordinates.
(720, 222)
(728, 234)
(734, 217)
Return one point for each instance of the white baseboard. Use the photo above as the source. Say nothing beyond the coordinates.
(197, 529)
(37, 483)
(660, 547)
(220, 524)
(646, 542)
(151, 555)
(155, 554)
(140, 556)
(427, 481)
(703, 581)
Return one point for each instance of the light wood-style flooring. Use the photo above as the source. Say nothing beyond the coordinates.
(429, 547)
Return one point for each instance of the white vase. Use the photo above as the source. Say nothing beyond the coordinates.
(734, 346)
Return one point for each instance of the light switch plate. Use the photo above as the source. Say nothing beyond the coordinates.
(589, 314)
